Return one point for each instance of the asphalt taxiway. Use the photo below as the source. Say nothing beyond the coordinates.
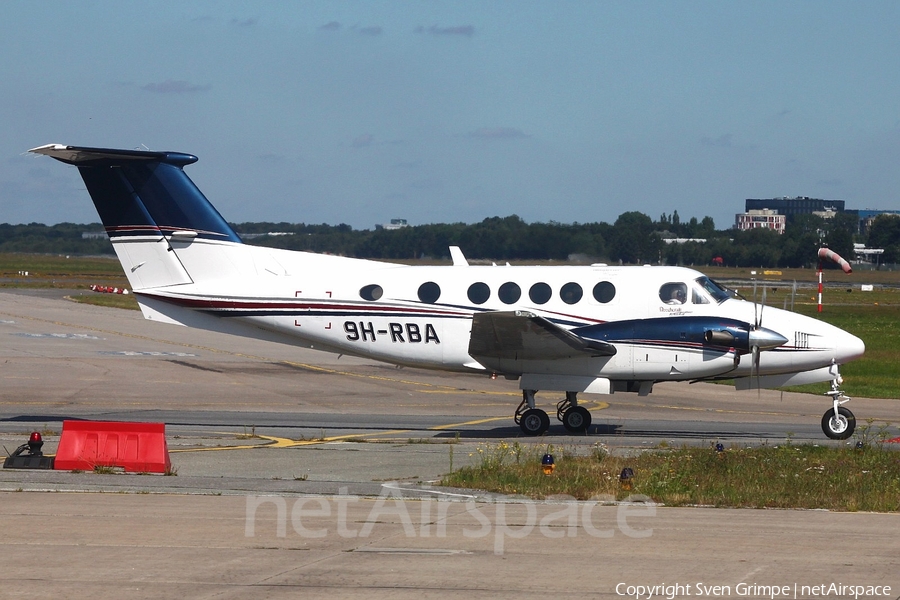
(247, 420)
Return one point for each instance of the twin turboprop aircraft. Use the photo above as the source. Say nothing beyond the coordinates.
(594, 329)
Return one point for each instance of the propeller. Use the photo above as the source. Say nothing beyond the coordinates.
(754, 348)
(760, 337)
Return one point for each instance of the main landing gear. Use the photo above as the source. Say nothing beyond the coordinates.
(535, 421)
(838, 423)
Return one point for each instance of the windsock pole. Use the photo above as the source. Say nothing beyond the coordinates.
(820, 285)
(833, 256)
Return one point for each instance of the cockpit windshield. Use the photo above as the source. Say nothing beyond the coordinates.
(716, 291)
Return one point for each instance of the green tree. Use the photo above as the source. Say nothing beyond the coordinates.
(633, 240)
(885, 233)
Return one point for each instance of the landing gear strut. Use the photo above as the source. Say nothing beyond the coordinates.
(535, 421)
(838, 423)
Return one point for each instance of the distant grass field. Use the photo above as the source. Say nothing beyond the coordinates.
(873, 316)
(48, 270)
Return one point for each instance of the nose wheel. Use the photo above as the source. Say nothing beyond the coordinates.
(839, 425)
(838, 422)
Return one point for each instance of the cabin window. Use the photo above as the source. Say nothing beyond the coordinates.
(673, 293)
(429, 292)
(509, 293)
(371, 292)
(698, 295)
(540, 293)
(604, 292)
(714, 289)
(479, 293)
(571, 293)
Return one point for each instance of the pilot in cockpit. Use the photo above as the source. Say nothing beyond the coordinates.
(673, 293)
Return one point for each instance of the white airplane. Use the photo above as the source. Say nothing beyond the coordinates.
(594, 329)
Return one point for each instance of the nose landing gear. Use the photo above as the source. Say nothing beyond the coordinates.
(838, 423)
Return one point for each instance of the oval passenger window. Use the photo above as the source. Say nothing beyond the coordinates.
(371, 292)
(509, 293)
(571, 293)
(540, 293)
(479, 293)
(429, 292)
(604, 292)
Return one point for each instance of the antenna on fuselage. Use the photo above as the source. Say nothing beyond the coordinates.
(459, 259)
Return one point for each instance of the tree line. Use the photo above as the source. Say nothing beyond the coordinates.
(634, 238)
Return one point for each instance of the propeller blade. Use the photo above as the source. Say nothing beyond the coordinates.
(755, 318)
(793, 293)
(754, 367)
(761, 307)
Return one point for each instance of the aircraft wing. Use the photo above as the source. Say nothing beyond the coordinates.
(521, 335)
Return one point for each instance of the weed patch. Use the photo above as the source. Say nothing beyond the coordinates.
(783, 476)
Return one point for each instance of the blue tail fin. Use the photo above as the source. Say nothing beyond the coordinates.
(139, 193)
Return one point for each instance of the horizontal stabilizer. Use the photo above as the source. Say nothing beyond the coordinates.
(521, 335)
(140, 193)
(82, 156)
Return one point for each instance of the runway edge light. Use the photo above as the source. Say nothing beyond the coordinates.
(548, 464)
(33, 459)
(626, 478)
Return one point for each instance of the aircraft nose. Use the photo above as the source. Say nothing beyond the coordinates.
(849, 347)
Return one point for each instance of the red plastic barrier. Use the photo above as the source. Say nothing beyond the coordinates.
(108, 290)
(138, 447)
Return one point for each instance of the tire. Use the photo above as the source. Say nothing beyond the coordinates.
(534, 422)
(840, 427)
(577, 419)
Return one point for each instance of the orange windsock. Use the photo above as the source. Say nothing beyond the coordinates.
(825, 253)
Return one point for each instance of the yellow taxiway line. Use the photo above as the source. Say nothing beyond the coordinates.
(280, 442)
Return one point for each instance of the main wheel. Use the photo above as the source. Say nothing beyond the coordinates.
(534, 421)
(577, 419)
(840, 426)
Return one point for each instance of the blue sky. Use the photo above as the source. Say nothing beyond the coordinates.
(359, 112)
